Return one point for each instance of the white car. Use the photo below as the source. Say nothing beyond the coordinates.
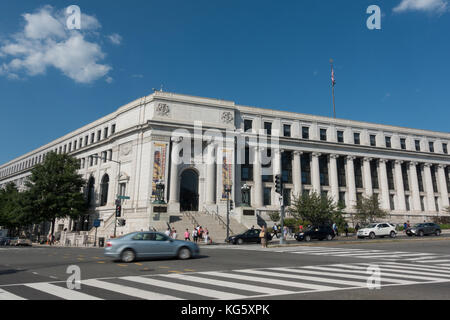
(377, 230)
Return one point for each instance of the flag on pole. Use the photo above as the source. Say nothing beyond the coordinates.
(333, 80)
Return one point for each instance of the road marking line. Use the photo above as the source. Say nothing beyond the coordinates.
(416, 267)
(308, 278)
(100, 261)
(5, 295)
(134, 292)
(271, 281)
(190, 270)
(61, 292)
(422, 258)
(186, 288)
(122, 265)
(228, 284)
(175, 271)
(435, 261)
(138, 264)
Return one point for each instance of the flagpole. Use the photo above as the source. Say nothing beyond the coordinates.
(332, 90)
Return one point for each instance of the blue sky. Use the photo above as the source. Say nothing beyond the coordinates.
(272, 54)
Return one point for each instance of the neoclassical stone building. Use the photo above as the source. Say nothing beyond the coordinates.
(199, 146)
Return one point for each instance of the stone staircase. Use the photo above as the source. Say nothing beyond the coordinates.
(215, 224)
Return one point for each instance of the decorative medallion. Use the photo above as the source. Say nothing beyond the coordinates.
(162, 109)
(126, 149)
(227, 117)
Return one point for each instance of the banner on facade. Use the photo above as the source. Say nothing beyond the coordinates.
(159, 165)
(227, 170)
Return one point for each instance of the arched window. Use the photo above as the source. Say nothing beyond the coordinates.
(104, 190)
(91, 191)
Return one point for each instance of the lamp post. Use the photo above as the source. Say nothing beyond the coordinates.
(118, 200)
(228, 191)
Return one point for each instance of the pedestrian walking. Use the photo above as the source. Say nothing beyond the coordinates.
(263, 237)
(285, 232)
(275, 230)
(174, 233)
(206, 232)
(195, 235)
(186, 235)
(167, 232)
(346, 229)
(405, 226)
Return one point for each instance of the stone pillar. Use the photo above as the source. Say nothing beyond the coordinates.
(257, 179)
(277, 162)
(429, 187)
(210, 174)
(315, 173)
(351, 187)
(384, 185)
(297, 173)
(443, 185)
(367, 177)
(399, 185)
(333, 177)
(415, 192)
(174, 196)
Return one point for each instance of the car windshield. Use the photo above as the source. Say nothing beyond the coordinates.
(370, 226)
(418, 225)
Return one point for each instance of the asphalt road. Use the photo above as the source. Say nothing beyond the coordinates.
(411, 269)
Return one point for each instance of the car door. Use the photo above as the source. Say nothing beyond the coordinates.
(163, 245)
(315, 234)
(138, 244)
(246, 236)
(429, 228)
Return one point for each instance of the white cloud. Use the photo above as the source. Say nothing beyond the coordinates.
(45, 42)
(115, 39)
(438, 6)
(109, 80)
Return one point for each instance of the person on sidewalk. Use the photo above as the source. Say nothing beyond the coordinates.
(186, 235)
(275, 230)
(195, 235)
(263, 237)
(346, 229)
(206, 232)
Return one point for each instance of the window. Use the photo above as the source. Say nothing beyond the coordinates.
(431, 144)
(323, 170)
(340, 136)
(86, 140)
(305, 132)
(113, 129)
(356, 138)
(287, 197)
(391, 202)
(105, 133)
(268, 127)
(104, 190)
(444, 148)
(70, 146)
(388, 142)
(342, 198)
(92, 137)
(75, 145)
(306, 168)
(247, 167)
(419, 178)
(323, 134)
(104, 156)
(373, 140)
(341, 171)
(286, 166)
(287, 130)
(267, 196)
(403, 143)
(417, 144)
(390, 175)
(248, 125)
(358, 173)
(122, 188)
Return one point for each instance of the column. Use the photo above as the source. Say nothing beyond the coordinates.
(415, 192)
(351, 187)
(277, 162)
(399, 186)
(333, 177)
(315, 173)
(367, 177)
(257, 179)
(210, 173)
(297, 173)
(429, 187)
(443, 185)
(385, 204)
(174, 179)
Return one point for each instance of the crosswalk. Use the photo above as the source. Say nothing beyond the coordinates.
(237, 284)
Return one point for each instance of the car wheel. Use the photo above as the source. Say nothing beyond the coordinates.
(128, 255)
(184, 253)
(240, 241)
(308, 238)
(438, 233)
(420, 233)
(372, 235)
(329, 237)
(392, 234)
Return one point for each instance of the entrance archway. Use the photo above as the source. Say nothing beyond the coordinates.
(189, 191)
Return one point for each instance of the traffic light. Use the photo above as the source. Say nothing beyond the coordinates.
(118, 210)
(231, 205)
(278, 184)
(121, 222)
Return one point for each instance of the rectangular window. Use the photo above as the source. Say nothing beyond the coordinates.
(99, 135)
(86, 140)
(122, 189)
(323, 134)
(268, 127)
(65, 148)
(305, 132)
(75, 145)
(105, 133)
(373, 140)
(342, 198)
(287, 130)
(323, 170)
(358, 173)
(340, 136)
(431, 144)
(388, 142)
(113, 129)
(341, 172)
(444, 148)
(306, 168)
(417, 144)
(248, 125)
(419, 178)
(390, 175)
(422, 203)
(403, 143)
(267, 196)
(356, 138)
(391, 202)
(92, 137)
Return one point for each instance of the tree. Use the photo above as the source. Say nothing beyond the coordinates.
(12, 214)
(368, 209)
(55, 190)
(274, 216)
(317, 209)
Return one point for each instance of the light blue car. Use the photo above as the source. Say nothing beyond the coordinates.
(149, 244)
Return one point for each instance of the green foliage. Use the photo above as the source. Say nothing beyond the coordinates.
(316, 209)
(368, 209)
(274, 216)
(12, 215)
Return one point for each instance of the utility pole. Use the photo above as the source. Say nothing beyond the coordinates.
(333, 82)
(279, 190)
(228, 191)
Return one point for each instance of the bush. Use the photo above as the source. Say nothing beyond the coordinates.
(445, 226)
(441, 220)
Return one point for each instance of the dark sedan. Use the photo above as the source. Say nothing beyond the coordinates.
(422, 229)
(317, 232)
(249, 236)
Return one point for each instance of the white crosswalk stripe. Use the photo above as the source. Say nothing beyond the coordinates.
(237, 284)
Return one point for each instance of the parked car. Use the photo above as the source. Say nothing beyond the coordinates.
(249, 236)
(316, 232)
(20, 242)
(139, 245)
(422, 229)
(3, 241)
(374, 230)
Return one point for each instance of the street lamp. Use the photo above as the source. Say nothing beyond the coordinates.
(228, 191)
(245, 190)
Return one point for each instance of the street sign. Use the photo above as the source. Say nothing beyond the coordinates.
(96, 223)
(123, 197)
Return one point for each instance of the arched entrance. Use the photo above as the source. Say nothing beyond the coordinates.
(189, 191)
